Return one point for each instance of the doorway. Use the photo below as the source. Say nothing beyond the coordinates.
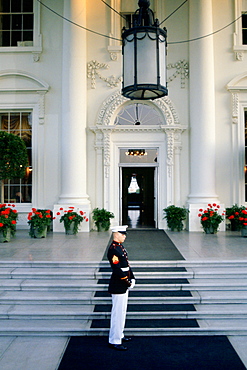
(138, 197)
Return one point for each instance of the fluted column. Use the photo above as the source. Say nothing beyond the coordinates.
(73, 131)
(202, 110)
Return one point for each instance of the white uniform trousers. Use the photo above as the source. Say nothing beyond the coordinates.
(118, 316)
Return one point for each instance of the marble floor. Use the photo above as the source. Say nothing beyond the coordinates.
(29, 353)
(91, 246)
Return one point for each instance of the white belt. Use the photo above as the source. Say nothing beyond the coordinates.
(125, 269)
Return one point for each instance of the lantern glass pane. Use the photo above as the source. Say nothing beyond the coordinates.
(162, 56)
(146, 60)
(128, 63)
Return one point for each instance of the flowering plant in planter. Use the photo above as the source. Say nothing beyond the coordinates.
(243, 218)
(8, 219)
(233, 214)
(39, 219)
(210, 218)
(72, 219)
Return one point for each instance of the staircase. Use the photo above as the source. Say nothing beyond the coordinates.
(170, 298)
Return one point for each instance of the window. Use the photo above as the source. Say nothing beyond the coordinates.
(128, 20)
(16, 23)
(138, 114)
(244, 29)
(19, 123)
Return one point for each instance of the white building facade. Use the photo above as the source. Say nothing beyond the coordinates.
(60, 88)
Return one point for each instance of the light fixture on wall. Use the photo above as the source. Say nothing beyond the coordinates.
(136, 152)
(144, 56)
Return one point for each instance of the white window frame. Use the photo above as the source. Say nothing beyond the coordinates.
(36, 49)
(238, 47)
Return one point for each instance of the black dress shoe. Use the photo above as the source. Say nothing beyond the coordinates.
(117, 347)
(126, 339)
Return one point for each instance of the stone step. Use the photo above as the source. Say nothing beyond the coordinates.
(79, 285)
(198, 270)
(35, 297)
(38, 274)
(82, 327)
(91, 264)
(42, 298)
(75, 312)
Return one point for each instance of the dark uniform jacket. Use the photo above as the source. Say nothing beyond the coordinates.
(121, 271)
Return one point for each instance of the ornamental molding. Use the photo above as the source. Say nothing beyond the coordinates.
(107, 153)
(19, 82)
(182, 70)
(93, 69)
(238, 89)
(112, 103)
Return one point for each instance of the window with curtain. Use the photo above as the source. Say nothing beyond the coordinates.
(16, 23)
(19, 123)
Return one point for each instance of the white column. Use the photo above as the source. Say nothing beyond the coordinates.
(74, 97)
(202, 111)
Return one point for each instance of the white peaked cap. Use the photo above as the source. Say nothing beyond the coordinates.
(120, 229)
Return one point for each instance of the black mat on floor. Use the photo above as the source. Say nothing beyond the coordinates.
(152, 281)
(149, 323)
(148, 307)
(153, 293)
(147, 353)
(149, 245)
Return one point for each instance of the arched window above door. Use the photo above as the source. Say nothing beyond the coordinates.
(138, 114)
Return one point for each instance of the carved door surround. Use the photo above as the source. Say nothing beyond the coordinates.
(105, 127)
(238, 89)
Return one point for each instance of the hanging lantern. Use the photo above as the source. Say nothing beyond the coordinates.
(144, 56)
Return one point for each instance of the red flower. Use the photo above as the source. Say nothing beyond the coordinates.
(13, 222)
(61, 209)
(58, 213)
(199, 215)
(237, 213)
(231, 217)
(82, 213)
(204, 218)
(214, 204)
(86, 219)
(71, 207)
(1, 225)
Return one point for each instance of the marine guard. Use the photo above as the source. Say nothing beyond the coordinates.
(122, 279)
